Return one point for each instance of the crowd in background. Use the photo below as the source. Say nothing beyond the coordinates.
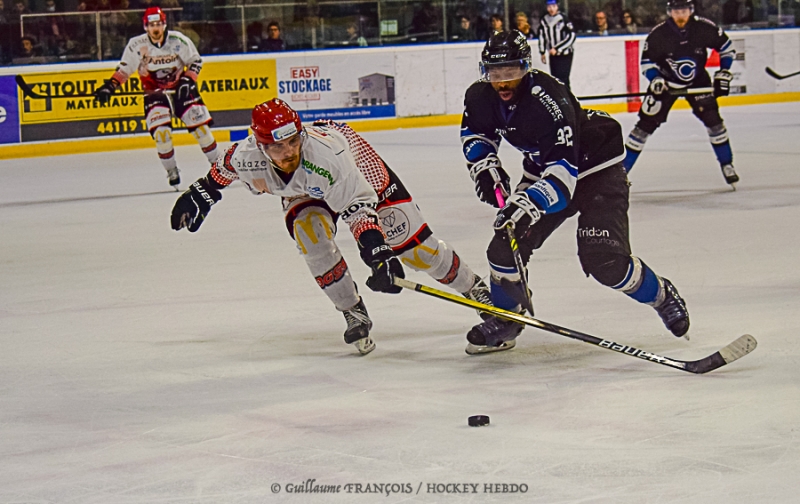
(83, 30)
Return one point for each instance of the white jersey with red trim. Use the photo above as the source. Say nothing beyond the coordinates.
(159, 67)
(327, 172)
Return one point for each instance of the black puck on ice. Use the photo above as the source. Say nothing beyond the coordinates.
(478, 420)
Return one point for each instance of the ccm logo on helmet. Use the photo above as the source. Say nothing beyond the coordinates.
(284, 131)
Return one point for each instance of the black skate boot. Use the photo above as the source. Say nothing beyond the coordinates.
(358, 326)
(174, 176)
(480, 292)
(730, 175)
(493, 335)
(673, 310)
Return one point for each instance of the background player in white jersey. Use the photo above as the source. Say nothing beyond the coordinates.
(323, 172)
(166, 61)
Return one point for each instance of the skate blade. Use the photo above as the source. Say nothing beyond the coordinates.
(364, 345)
(482, 349)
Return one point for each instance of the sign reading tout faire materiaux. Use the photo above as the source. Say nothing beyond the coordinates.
(229, 89)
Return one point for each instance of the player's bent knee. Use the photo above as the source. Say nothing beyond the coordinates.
(313, 230)
(608, 269)
(163, 137)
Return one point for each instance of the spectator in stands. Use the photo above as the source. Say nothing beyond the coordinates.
(273, 42)
(354, 37)
(28, 49)
(5, 36)
(425, 23)
(52, 31)
(600, 23)
(496, 22)
(628, 24)
(535, 21)
(524, 26)
(737, 11)
(186, 28)
(464, 31)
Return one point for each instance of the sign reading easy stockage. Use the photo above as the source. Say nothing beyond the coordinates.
(229, 89)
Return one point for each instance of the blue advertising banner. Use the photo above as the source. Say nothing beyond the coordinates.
(9, 110)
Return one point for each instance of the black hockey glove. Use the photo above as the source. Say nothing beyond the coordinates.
(520, 211)
(104, 92)
(193, 205)
(186, 88)
(380, 258)
(658, 86)
(487, 174)
(722, 83)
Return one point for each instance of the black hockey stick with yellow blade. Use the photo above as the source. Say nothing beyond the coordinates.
(733, 351)
(772, 73)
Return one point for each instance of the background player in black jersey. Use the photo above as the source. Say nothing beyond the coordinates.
(572, 165)
(674, 57)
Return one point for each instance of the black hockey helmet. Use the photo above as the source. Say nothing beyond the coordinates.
(680, 4)
(506, 56)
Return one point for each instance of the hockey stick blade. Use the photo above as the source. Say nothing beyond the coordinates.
(734, 351)
(772, 73)
(27, 90)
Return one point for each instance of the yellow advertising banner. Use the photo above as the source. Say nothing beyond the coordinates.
(229, 85)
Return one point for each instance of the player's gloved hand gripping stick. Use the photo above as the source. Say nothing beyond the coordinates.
(526, 301)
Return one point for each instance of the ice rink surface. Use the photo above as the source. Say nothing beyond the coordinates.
(141, 365)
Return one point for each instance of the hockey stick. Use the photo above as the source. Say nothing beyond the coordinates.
(776, 75)
(676, 92)
(525, 300)
(735, 350)
(28, 91)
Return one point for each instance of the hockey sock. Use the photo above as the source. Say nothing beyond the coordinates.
(501, 298)
(634, 146)
(641, 283)
(163, 137)
(437, 259)
(718, 135)
(206, 140)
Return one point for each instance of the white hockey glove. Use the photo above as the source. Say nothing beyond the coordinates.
(722, 82)
(193, 205)
(520, 211)
(487, 174)
(658, 85)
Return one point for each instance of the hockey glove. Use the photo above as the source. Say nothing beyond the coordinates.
(104, 92)
(380, 258)
(187, 87)
(520, 211)
(193, 205)
(658, 85)
(722, 83)
(487, 174)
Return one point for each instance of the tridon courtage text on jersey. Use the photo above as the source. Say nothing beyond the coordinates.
(159, 67)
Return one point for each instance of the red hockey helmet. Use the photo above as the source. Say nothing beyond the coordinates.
(275, 120)
(153, 14)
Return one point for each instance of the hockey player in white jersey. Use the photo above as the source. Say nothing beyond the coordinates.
(168, 65)
(324, 172)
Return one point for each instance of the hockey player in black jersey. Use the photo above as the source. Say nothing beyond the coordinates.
(674, 57)
(572, 164)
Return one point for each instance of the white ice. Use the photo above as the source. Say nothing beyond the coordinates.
(142, 365)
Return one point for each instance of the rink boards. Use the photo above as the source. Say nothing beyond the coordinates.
(374, 88)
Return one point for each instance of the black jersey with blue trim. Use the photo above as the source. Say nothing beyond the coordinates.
(680, 55)
(546, 123)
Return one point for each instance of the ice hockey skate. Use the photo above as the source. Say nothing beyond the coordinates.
(174, 176)
(730, 175)
(673, 311)
(493, 335)
(358, 327)
(480, 292)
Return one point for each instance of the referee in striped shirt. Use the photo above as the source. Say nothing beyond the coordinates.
(556, 36)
